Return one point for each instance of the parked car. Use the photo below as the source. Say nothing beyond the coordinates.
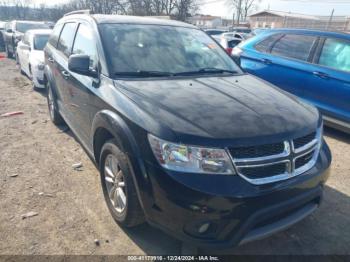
(245, 30)
(182, 137)
(241, 36)
(30, 55)
(214, 32)
(15, 31)
(227, 42)
(313, 65)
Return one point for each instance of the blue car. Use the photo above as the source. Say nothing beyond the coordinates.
(312, 65)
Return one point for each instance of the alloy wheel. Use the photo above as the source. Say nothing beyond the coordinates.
(115, 183)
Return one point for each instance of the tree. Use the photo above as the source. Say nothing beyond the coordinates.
(242, 8)
(24, 9)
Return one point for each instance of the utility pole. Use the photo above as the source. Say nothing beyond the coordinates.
(330, 20)
(239, 9)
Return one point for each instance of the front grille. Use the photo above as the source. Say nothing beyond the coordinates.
(302, 161)
(302, 141)
(264, 171)
(257, 151)
(269, 163)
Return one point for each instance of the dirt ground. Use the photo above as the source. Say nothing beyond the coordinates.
(36, 175)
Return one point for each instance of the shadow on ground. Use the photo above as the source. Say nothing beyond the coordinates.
(337, 134)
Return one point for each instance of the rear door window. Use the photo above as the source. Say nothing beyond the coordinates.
(66, 39)
(336, 54)
(294, 46)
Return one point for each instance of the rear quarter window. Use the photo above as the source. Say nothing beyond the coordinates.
(65, 42)
(53, 40)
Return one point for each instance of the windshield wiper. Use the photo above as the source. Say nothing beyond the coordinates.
(142, 73)
(208, 70)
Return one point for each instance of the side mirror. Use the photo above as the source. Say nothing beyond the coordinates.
(9, 31)
(80, 64)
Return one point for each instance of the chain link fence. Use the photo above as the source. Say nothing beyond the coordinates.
(335, 23)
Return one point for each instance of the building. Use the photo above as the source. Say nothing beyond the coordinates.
(206, 21)
(278, 19)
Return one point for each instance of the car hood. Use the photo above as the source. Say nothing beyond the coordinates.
(37, 56)
(221, 107)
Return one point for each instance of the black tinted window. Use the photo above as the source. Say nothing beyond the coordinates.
(55, 35)
(266, 44)
(85, 44)
(233, 43)
(66, 39)
(214, 32)
(294, 46)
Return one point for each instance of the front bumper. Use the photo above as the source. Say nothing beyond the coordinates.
(236, 211)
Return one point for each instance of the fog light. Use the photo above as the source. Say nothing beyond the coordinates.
(203, 228)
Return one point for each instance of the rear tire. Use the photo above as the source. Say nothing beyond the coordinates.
(53, 109)
(118, 184)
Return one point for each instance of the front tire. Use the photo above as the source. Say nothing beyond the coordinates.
(52, 104)
(118, 186)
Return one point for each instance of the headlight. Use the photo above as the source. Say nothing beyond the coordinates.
(40, 66)
(191, 159)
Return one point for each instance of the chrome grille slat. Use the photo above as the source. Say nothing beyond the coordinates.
(284, 153)
(297, 160)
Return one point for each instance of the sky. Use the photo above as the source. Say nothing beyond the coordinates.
(309, 7)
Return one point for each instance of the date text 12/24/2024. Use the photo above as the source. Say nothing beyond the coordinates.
(173, 258)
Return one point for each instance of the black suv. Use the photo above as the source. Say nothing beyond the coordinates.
(182, 137)
(14, 32)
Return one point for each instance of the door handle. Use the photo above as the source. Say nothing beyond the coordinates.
(51, 60)
(321, 75)
(65, 74)
(266, 61)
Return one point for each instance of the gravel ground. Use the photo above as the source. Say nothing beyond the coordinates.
(36, 175)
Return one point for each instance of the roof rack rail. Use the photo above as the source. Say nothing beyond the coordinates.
(82, 12)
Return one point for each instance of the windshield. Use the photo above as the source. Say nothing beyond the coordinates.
(24, 27)
(164, 50)
(40, 41)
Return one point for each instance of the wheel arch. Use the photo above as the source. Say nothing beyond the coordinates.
(108, 125)
(49, 78)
